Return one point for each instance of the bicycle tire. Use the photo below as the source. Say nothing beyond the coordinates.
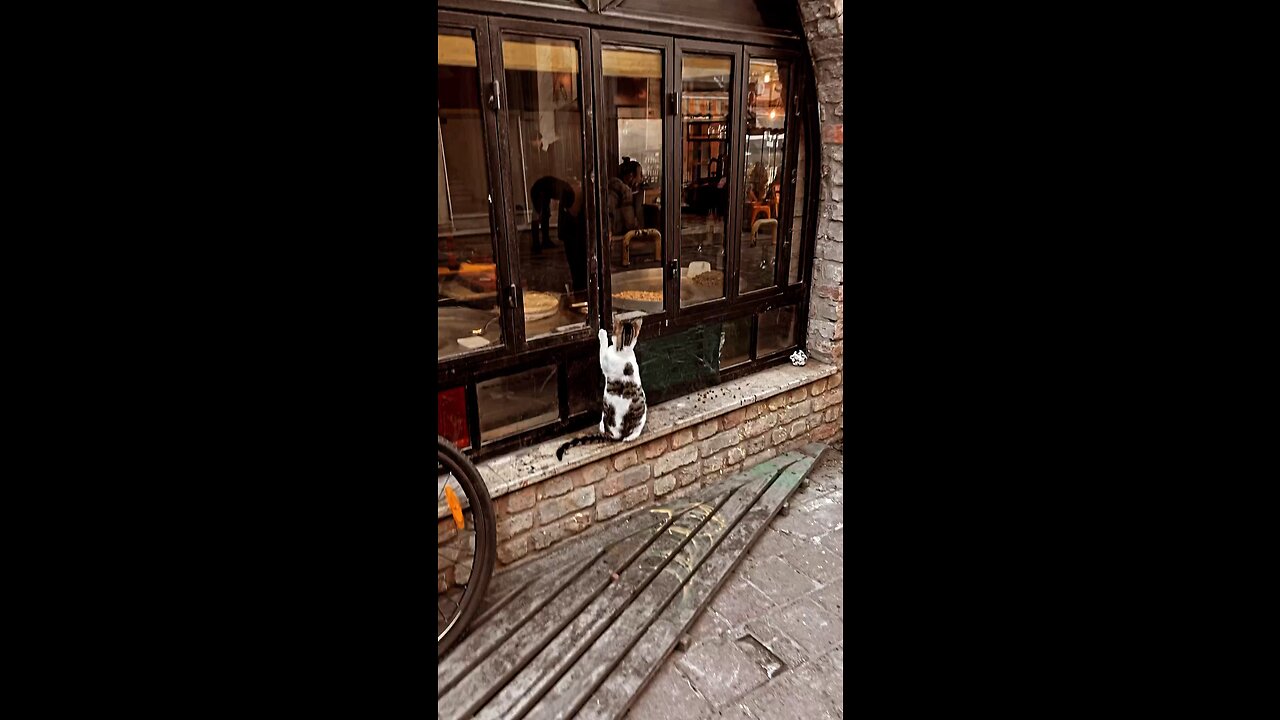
(468, 477)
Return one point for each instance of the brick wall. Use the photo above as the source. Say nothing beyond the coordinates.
(535, 518)
(824, 29)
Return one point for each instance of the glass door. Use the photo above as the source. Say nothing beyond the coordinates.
(544, 105)
(470, 257)
(766, 168)
(707, 105)
(634, 132)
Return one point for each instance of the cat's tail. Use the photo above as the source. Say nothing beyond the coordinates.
(593, 438)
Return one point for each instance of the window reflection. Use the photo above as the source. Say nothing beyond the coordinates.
(632, 146)
(466, 273)
(704, 212)
(543, 107)
(763, 149)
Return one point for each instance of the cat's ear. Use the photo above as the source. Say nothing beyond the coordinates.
(617, 333)
(635, 332)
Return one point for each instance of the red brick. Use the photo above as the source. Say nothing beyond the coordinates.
(622, 461)
(735, 455)
(707, 429)
(687, 475)
(509, 552)
(680, 438)
(512, 525)
(521, 500)
(674, 459)
(655, 448)
(592, 473)
(554, 487)
(664, 485)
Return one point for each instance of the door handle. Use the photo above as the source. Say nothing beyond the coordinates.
(495, 98)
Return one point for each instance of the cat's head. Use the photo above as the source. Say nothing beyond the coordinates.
(626, 331)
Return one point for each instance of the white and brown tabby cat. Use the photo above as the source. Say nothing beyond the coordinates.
(623, 410)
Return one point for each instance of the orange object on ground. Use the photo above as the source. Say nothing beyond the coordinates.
(454, 506)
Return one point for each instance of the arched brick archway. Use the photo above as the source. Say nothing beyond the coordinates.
(824, 29)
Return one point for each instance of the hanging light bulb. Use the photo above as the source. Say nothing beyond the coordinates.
(773, 114)
(766, 77)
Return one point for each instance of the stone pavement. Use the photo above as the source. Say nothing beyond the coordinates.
(771, 644)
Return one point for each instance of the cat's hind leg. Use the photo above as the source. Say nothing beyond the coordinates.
(639, 427)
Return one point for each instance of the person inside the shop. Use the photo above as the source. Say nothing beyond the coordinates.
(571, 223)
(626, 208)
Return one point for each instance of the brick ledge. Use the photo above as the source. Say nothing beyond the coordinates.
(528, 466)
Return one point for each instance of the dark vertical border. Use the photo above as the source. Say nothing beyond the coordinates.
(473, 416)
(736, 189)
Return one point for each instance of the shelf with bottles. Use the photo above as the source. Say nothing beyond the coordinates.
(705, 130)
(714, 107)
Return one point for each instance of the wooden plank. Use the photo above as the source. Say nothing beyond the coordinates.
(625, 682)
(573, 689)
(493, 670)
(591, 540)
(485, 635)
(560, 654)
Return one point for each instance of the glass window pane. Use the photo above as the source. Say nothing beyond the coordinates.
(797, 211)
(543, 108)
(586, 384)
(735, 347)
(632, 145)
(705, 82)
(763, 149)
(466, 273)
(451, 416)
(674, 365)
(777, 330)
(516, 403)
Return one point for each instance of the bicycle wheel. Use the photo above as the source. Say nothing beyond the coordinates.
(466, 544)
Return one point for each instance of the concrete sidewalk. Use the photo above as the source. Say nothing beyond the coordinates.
(771, 644)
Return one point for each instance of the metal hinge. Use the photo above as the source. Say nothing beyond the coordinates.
(511, 296)
(671, 104)
(795, 103)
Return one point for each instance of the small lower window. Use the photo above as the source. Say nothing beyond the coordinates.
(519, 402)
(777, 330)
(735, 348)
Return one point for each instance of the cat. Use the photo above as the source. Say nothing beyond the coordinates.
(623, 410)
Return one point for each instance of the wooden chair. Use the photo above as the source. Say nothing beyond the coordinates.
(755, 210)
(653, 236)
(769, 228)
